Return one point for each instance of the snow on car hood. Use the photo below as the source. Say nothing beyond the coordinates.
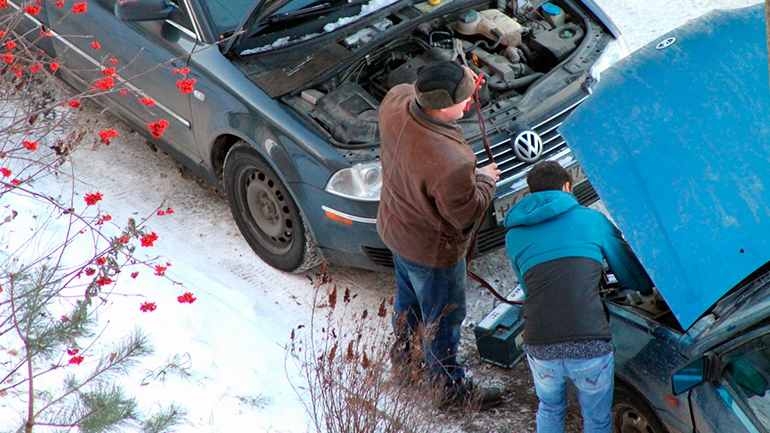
(676, 141)
(263, 9)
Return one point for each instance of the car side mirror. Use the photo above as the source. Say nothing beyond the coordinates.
(144, 10)
(693, 373)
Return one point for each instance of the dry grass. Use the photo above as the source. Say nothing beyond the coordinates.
(349, 383)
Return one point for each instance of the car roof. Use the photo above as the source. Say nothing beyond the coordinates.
(676, 141)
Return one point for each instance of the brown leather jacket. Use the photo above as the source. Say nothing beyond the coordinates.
(431, 196)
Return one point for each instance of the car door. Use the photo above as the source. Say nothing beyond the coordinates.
(736, 396)
(149, 58)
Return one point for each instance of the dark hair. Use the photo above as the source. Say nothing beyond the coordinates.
(547, 176)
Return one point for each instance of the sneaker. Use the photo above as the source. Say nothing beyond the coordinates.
(471, 396)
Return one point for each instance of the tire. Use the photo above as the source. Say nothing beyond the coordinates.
(632, 414)
(265, 212)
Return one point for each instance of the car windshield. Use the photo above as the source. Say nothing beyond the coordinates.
(226, 15)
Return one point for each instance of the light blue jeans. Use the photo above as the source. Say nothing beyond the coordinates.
(430, 297)
(595, 382)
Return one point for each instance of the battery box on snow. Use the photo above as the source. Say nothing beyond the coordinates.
(500, 335)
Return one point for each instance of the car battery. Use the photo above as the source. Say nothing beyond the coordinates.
(500, 335)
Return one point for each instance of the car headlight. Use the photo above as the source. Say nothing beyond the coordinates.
(362, 181)
(615, 51)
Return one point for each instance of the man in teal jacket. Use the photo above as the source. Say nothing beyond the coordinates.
(557, 249)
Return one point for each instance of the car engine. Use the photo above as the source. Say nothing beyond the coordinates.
(513, 47)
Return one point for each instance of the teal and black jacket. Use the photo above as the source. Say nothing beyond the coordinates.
(557, 249)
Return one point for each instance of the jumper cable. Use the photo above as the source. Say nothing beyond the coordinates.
(477, 227)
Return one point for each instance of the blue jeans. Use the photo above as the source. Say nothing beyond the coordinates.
(433, 299)
(595, 382)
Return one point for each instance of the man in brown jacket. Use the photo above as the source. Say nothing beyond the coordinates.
(432, 195)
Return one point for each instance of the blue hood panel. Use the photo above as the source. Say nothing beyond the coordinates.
(676, 141)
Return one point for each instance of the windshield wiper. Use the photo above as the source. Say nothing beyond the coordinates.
(300, 13)
(318, 9)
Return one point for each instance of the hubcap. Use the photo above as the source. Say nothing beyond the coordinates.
(267, 208)
(269, 212)
(628, 420)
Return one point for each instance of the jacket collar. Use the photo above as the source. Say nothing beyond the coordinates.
(451, 130)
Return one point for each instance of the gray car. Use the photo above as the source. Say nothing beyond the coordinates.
(282, 113)
(681, 159)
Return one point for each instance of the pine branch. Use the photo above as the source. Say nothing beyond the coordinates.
(118, 362)
(31, 405)
(98, 410)
(164, 420)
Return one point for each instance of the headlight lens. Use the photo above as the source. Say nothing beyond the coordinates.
(362, 181)
(615, 51)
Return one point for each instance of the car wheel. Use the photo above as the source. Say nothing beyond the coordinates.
(631, 414)
(265, 212)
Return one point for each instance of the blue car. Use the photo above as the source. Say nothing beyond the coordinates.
(676, 141)
(282, 114)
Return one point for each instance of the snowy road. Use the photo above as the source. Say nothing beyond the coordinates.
(201, 235)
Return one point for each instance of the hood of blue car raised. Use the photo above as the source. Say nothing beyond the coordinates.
(676, 141)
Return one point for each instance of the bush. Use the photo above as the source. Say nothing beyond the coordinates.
(343, 358)
(60, 255)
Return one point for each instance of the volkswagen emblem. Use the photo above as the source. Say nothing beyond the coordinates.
(528, 146)
(665, 43)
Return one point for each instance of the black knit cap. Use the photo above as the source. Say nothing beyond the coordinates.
(442, 85)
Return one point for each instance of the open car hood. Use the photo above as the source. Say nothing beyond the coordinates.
(676, 141)
(261, 10)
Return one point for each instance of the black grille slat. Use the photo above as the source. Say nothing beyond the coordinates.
(478, 139)
(490, 239)
(379, 256)
(585, 193)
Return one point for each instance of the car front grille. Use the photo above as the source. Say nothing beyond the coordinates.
(554, 146)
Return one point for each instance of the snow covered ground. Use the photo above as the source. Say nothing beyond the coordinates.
(232, 337)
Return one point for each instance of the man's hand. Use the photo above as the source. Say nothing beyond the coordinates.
(474, 75)
(490, 170)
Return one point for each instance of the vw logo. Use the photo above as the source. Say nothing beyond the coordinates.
(528, 146)
(665, 43)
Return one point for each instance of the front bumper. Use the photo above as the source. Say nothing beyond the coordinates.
(344, 230)
(359, 244)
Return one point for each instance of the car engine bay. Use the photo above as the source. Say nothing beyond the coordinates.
(651, 305)
(514, 47)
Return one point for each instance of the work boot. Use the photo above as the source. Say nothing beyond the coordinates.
(468, 395)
